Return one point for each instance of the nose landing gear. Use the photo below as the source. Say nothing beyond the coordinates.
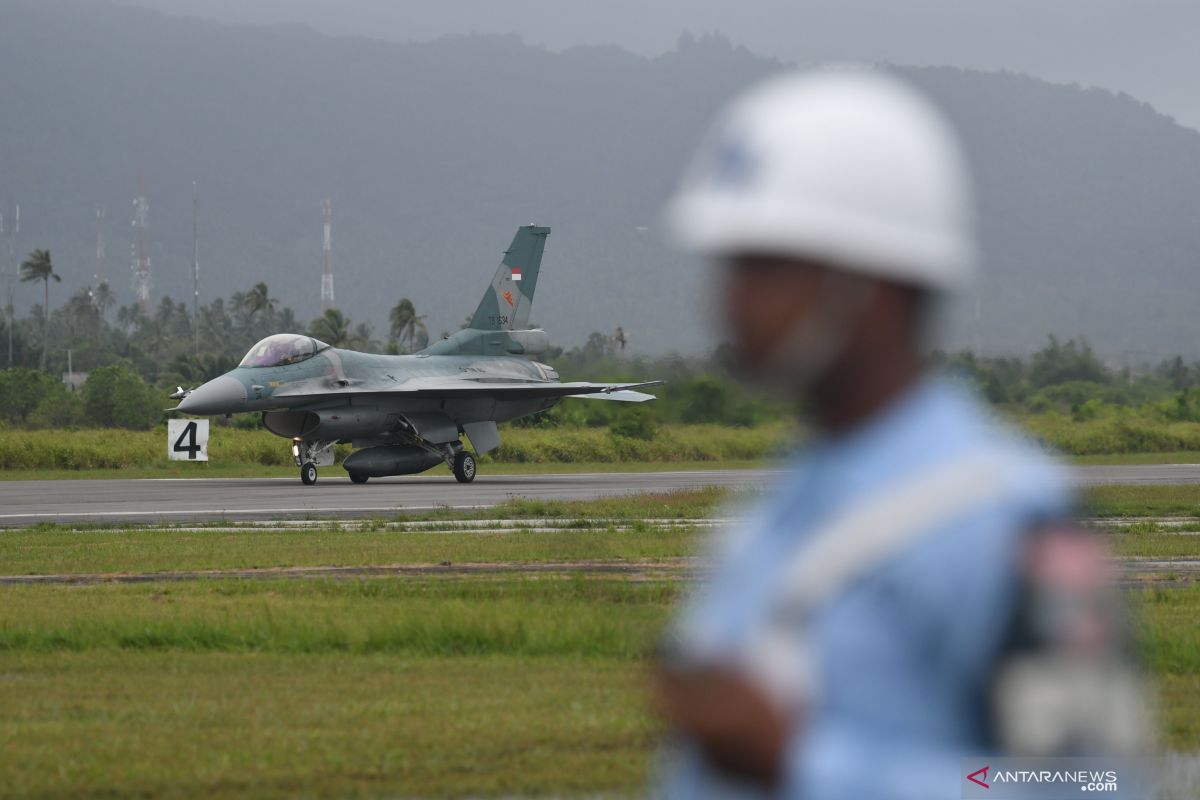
(309, 456)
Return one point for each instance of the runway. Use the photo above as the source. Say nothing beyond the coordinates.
(182, 500)
(1148, 474)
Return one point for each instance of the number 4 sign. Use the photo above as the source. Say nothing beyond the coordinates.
(187, 439)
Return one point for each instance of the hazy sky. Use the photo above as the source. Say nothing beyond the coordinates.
(1146, 48)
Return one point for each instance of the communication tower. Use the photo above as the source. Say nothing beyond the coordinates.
(327, 249)
(141, 261)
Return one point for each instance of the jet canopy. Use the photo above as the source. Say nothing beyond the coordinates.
(282, 349)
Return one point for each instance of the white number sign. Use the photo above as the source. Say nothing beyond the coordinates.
(187, 439)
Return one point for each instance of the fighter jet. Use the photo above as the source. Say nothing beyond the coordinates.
(406, 414)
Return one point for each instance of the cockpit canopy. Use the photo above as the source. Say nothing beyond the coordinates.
(282, 349)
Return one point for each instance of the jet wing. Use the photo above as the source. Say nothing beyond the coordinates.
(483, 387)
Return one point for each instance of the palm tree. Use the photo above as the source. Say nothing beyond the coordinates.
(361, 338)
(215, 325)
(259, 299)
(286, 321)
(332, 327)
(240, 311)
(81, 315)
(407, 327)
(127, 317)
(104, 298)
(38, 267)
(196, 369)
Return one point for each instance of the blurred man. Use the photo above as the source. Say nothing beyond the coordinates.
(855, 638)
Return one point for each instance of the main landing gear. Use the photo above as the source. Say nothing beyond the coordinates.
(401, 459)
(464, 467)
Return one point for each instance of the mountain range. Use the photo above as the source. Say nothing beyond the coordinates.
(433, 153)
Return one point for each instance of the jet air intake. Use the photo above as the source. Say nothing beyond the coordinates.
(379, 462)
(332, 425)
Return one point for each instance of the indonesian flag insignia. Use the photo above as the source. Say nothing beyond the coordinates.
(516, 273)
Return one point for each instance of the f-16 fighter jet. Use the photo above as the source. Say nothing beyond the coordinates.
(406, 414)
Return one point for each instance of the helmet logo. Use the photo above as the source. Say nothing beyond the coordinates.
(733, 164)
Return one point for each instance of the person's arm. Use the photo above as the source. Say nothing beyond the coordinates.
(729, 719)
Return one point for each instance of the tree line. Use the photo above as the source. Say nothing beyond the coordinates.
(169, 345)
(135, 359)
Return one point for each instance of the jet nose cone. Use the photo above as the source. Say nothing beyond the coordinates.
(223, 395)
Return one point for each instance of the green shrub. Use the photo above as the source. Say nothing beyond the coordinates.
(116, 397)
(1183, 407)
(60, 409)
(635, 422)
(22, 390)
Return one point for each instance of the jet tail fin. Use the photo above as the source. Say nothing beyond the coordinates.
(507, 302)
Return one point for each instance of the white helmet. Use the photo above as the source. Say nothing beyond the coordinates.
(849, 166)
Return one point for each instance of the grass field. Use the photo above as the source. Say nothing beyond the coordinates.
(380, 688)
(1170, 643)
(1143, 501)
(41, 552)
(427, 688)
(434, 685)
(1122, 459)
(165, 724)
(502, 617)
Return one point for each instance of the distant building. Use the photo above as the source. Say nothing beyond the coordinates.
(75, 380)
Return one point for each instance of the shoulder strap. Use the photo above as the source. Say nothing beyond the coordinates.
(851, 545)
(867, 535)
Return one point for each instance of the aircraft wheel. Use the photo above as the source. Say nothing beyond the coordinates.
(358, 477)
(464, 467)
(308, 474)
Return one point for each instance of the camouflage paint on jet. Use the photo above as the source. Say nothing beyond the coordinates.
(405, 414)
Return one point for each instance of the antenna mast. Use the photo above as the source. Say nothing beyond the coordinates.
(98, 278)
(141, 261)
(327, 248)
(195, 271)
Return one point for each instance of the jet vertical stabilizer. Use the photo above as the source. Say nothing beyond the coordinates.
(507, 302)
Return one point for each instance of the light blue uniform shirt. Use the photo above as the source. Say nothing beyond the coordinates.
(903, 653)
